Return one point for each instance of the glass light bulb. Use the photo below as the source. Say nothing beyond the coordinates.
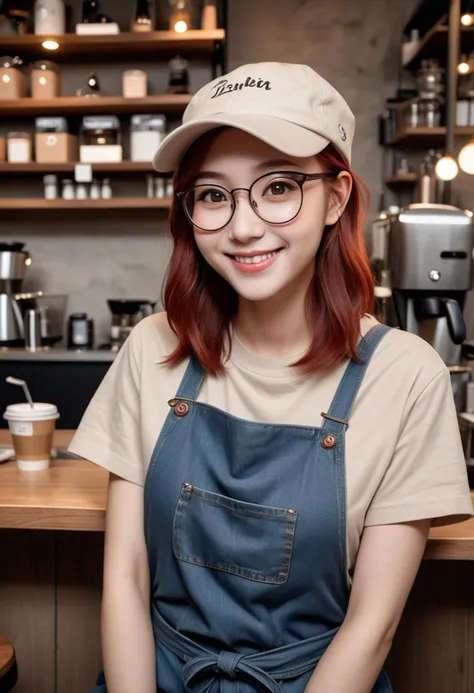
(180, 27)
(447, 168)
(467, 19)
(464, 67)
(50, 45)
(466, 158)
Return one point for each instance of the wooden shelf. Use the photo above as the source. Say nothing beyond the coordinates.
(122, 168)
(402, 180)
(103, 105)
(434, 44)
(426, 137)
(21, 204)
(124, 45)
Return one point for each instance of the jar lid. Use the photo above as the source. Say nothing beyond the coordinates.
(7, 61)
(45, 65)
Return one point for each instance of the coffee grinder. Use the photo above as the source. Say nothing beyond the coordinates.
(431, 263)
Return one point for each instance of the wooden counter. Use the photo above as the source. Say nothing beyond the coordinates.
(71, 495)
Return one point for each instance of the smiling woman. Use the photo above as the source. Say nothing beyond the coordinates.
(296, 222)
(277, 455)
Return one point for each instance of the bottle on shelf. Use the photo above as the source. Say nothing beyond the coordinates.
(50, 187)
(68, 192)
(180, 16)
(209, 15)
(106, 189)
(143, 21)
(179, 76)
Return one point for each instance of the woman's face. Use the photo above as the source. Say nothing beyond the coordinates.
(257, 258)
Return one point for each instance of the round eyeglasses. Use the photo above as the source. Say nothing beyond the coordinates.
(276, 198)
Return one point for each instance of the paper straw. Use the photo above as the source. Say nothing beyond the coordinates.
(21, 383)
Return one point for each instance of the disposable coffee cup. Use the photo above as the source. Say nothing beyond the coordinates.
(32, 431)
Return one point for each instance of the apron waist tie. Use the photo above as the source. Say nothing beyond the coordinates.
(262, 668)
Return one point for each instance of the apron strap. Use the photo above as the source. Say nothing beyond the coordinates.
(339, 412)
(192, 380)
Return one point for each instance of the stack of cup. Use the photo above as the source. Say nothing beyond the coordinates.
(32, 430)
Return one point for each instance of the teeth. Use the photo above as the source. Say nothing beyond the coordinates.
(255, 259)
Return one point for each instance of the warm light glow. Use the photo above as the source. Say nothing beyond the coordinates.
(467, 19)
(447, 168)
(181, 26)
(466, 158)
(43, 81)
(28, 262)
(50, 45)
(5, 78)
(464, 68)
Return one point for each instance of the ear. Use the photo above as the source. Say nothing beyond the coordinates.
(338, 197)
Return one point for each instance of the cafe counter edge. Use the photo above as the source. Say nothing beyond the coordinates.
(72, 494)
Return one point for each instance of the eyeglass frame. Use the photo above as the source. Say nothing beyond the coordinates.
(303, 178)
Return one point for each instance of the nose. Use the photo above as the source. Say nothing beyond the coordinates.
(245, 224)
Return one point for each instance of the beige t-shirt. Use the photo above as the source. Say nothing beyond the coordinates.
(404, 459)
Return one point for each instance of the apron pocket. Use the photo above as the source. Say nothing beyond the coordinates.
(244, 539)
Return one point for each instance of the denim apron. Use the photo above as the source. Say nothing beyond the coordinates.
(245, 527)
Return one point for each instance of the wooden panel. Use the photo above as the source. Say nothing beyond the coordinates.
(125, 44)
(34, 168)
(433, 649)
(105, 105)
(80, 557)
(22, 204)
(27, 604)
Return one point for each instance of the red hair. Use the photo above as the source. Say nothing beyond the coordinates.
(201, 304)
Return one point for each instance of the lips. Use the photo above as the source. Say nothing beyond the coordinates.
(253, 258)
(254, 262)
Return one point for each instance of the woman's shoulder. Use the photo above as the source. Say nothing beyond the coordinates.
(153, 337)
(404, 358)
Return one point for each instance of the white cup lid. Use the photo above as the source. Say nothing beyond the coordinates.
(23, 412)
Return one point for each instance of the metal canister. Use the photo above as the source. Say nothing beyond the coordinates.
(32, 325)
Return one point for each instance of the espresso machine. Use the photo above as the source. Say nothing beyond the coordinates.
(427, 254)
(14, 260)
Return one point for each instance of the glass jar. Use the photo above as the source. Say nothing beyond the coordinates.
(430, 113)
(45, 80)
(180, 15)
(13, 81)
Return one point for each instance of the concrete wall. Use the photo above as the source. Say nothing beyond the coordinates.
(352, 43)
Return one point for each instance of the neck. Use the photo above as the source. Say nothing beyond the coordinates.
(277, 327)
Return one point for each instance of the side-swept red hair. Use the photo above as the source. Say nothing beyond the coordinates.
(201, 304)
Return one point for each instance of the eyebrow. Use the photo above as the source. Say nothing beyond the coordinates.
(210, 174)
(276, 163)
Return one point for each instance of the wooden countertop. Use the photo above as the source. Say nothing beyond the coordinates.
(71, 495)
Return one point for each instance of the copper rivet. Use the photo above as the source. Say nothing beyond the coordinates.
(181, 409)
(329, 442)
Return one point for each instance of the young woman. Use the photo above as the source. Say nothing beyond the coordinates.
(276, 455)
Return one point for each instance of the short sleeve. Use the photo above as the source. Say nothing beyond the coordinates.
(110, 433)
(427, 476)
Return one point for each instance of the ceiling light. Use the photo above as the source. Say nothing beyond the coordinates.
(467, 19)
(446, 168)
(50, 45)
(466, 158)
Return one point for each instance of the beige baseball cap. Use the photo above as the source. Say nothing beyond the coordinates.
(288, 106)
